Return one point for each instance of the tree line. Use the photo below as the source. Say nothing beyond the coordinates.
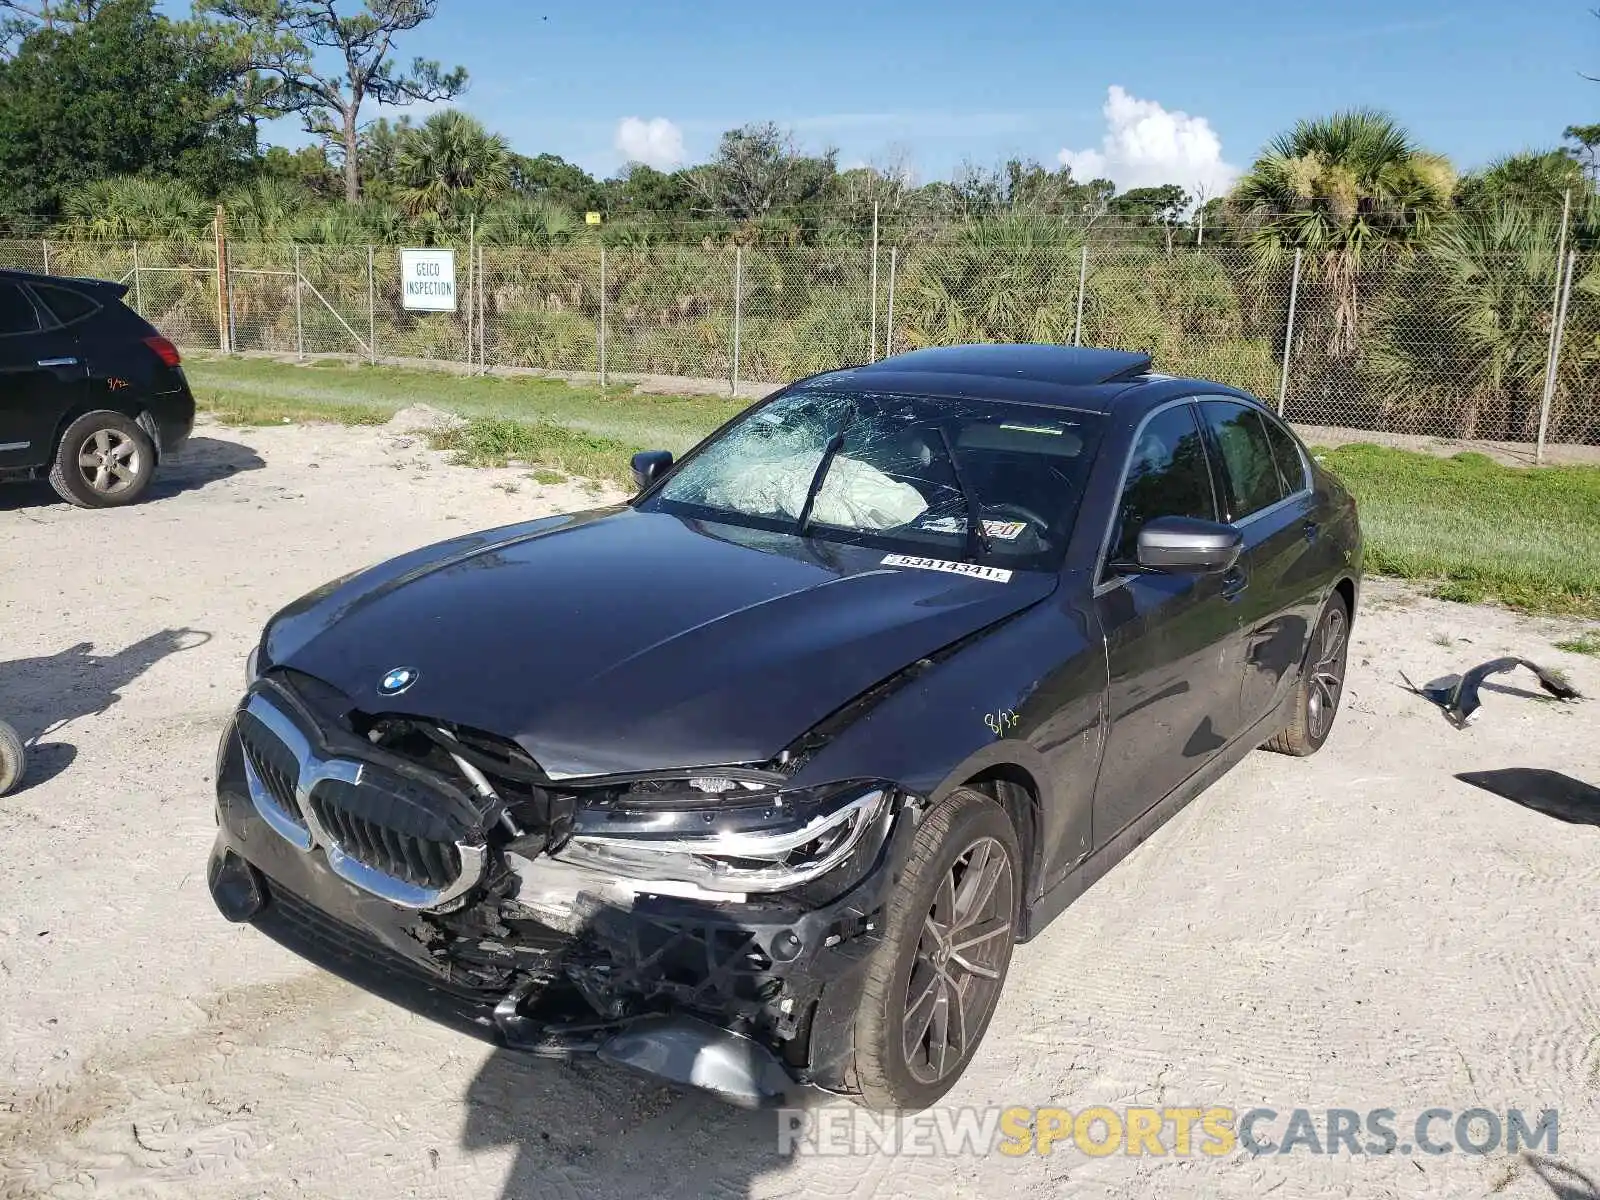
(1420, 288)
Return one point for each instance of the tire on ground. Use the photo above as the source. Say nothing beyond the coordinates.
(12, 758)
(1296, 737)
(879, 1076)
(66, 472)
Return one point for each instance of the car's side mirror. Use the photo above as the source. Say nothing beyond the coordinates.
(649, 466)
(1187, 544)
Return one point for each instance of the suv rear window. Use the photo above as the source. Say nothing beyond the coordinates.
(67, 305)
(17, 314)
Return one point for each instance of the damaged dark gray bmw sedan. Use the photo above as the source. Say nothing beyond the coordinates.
(755, 781)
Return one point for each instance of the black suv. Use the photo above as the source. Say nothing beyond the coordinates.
(91, 395)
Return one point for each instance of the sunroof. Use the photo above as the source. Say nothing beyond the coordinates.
(1071, 365)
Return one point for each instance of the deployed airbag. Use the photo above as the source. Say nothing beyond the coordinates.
(854, 495)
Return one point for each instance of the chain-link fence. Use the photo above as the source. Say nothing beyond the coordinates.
(1487, 347)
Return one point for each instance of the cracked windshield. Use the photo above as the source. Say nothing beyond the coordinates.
(896, 471)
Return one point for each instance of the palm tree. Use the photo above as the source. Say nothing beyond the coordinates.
(1467, 327)
(448, 158)
(1352, 191)
(134, 207)
(267, 210)
(1006, 278)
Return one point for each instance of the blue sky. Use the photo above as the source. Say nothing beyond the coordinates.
(1201, 85)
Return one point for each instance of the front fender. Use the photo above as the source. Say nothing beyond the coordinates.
(1023, 702)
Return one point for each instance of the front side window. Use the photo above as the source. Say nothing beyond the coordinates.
(1167, 477)
(1251, 471)
(906, 473)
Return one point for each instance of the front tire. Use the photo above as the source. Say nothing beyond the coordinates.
(1321, 686)
(104, 460)
(933, 982)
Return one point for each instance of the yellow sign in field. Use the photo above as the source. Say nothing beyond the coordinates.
(592, 218)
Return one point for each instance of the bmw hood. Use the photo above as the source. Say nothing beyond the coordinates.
(618, 641)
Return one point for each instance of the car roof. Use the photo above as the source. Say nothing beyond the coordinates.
(85, 281)
(1085, 378)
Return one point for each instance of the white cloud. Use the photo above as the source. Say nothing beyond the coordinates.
(657, 142)
(1146, 145)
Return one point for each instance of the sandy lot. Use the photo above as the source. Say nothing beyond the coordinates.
(1357, 930)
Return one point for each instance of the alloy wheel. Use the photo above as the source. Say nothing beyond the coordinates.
(109, 461)
(960, 962)
(1327, 674)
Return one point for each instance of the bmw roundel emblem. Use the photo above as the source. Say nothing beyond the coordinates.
(397, 681)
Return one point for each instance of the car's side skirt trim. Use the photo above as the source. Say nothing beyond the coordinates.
(1087, 873)
(14, 446)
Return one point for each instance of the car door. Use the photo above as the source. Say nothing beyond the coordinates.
(41, 377)
(1171, 638)
(1266, 493)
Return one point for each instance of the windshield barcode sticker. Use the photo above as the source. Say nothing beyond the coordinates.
(995, 574)
(1006, 531)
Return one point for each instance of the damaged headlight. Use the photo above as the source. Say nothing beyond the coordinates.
(735, 845)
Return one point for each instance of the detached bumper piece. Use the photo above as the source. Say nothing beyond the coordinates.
(389, 876)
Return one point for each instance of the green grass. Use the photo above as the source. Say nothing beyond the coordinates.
(496, 441)
(1587, 642)
(338, 390)
(264, 410)
(1528, 537)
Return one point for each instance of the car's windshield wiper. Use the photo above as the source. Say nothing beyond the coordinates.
(835, 444)
(977, 536)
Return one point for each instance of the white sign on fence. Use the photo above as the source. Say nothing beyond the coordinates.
(428, 280)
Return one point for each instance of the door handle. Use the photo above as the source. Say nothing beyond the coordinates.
(58, 362)
(1233, 583)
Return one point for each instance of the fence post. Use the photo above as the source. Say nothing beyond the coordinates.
(1555, 306)
(1288, 333)
(738, 298)
(872, 337)
(472, 285)
(224, 300)
(299, 323)
(888, 333)
(1083, 280)
(138, 291)
(602, 347)
(1559, 334)
(45, 243)
(372, 310)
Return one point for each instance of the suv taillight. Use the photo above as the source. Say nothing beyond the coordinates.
(164, 350)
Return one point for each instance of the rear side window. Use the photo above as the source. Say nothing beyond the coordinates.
(1250, 469)
(67, 305)
(17, 314)
(1167, 477)
(1286, 453)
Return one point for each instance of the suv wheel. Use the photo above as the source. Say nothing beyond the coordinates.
(104, 459)
(1321, 686)
(933, 982)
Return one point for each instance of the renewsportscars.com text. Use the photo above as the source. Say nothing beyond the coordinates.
(1214, 1132)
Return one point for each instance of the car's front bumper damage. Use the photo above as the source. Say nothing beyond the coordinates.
(745, 995)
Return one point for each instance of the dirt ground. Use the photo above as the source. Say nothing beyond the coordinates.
(1356, 930)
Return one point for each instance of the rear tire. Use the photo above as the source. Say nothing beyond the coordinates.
(104, 460)
(1321, 685)
(932, 984)
(13, 758)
